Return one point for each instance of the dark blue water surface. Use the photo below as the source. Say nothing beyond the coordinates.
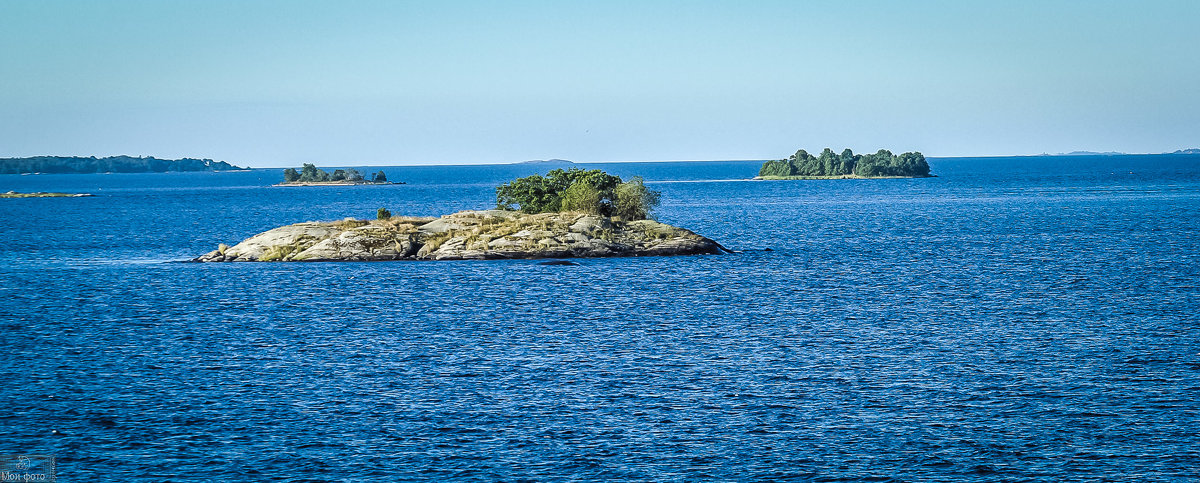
(1012, 319)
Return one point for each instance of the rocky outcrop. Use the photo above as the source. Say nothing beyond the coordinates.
(466, 235)
(42, 194)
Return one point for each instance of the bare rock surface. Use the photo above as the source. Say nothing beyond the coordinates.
(489, 234)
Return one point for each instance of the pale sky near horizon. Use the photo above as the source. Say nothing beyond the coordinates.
(278, 83)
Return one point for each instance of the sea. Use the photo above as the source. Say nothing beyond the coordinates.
(1012, 319)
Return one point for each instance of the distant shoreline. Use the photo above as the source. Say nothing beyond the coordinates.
(111, 164)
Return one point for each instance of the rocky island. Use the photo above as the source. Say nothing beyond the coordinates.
(847, 165)
(490, 234)
(566, 214)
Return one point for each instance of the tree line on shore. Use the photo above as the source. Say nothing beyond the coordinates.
(111, 164)
(828, 163)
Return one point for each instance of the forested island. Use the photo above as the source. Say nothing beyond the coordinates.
(565, 214)
(830, 165)
(310, 175)
(545, 162)
(111, 164)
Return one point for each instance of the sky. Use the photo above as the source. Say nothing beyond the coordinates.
(279, 83)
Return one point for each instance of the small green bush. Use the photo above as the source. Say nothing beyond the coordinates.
(383, 214)
(634, 201)
(582, 197)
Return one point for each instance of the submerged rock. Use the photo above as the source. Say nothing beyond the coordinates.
(558, 262)
(489, 234)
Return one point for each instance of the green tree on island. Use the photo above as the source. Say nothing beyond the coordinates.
(829, 164)
(589, 191)
(309, 173)
(634, 200)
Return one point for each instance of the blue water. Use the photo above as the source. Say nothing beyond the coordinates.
(1012, 319)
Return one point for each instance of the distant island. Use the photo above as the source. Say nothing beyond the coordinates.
(847, 165)
(111, 164)
(310, 175)
(1091, 153)
(546, 161)
(1118, 153)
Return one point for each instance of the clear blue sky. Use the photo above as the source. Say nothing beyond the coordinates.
(277, 83)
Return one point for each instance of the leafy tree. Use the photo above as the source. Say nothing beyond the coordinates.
(290, 175)
(846, 162)
(379, 177)
(383, 214)
(589, 191)
(308, 172)
(882, 163)
(776, 168)
(913, 163)
(803, 164)
(827, 163)
(634, 201)
(582, 197)
(338, 175)
(531, 194)
(353, 175)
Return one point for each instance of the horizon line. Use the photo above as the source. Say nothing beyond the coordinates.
(627, 161)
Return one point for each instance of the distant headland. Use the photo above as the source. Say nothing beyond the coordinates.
(543, 162)
(1118, 153)
(847, 165)
(1090, 153)
(310, 175)
(111, 164)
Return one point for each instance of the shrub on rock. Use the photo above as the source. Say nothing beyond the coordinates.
(588, 191)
